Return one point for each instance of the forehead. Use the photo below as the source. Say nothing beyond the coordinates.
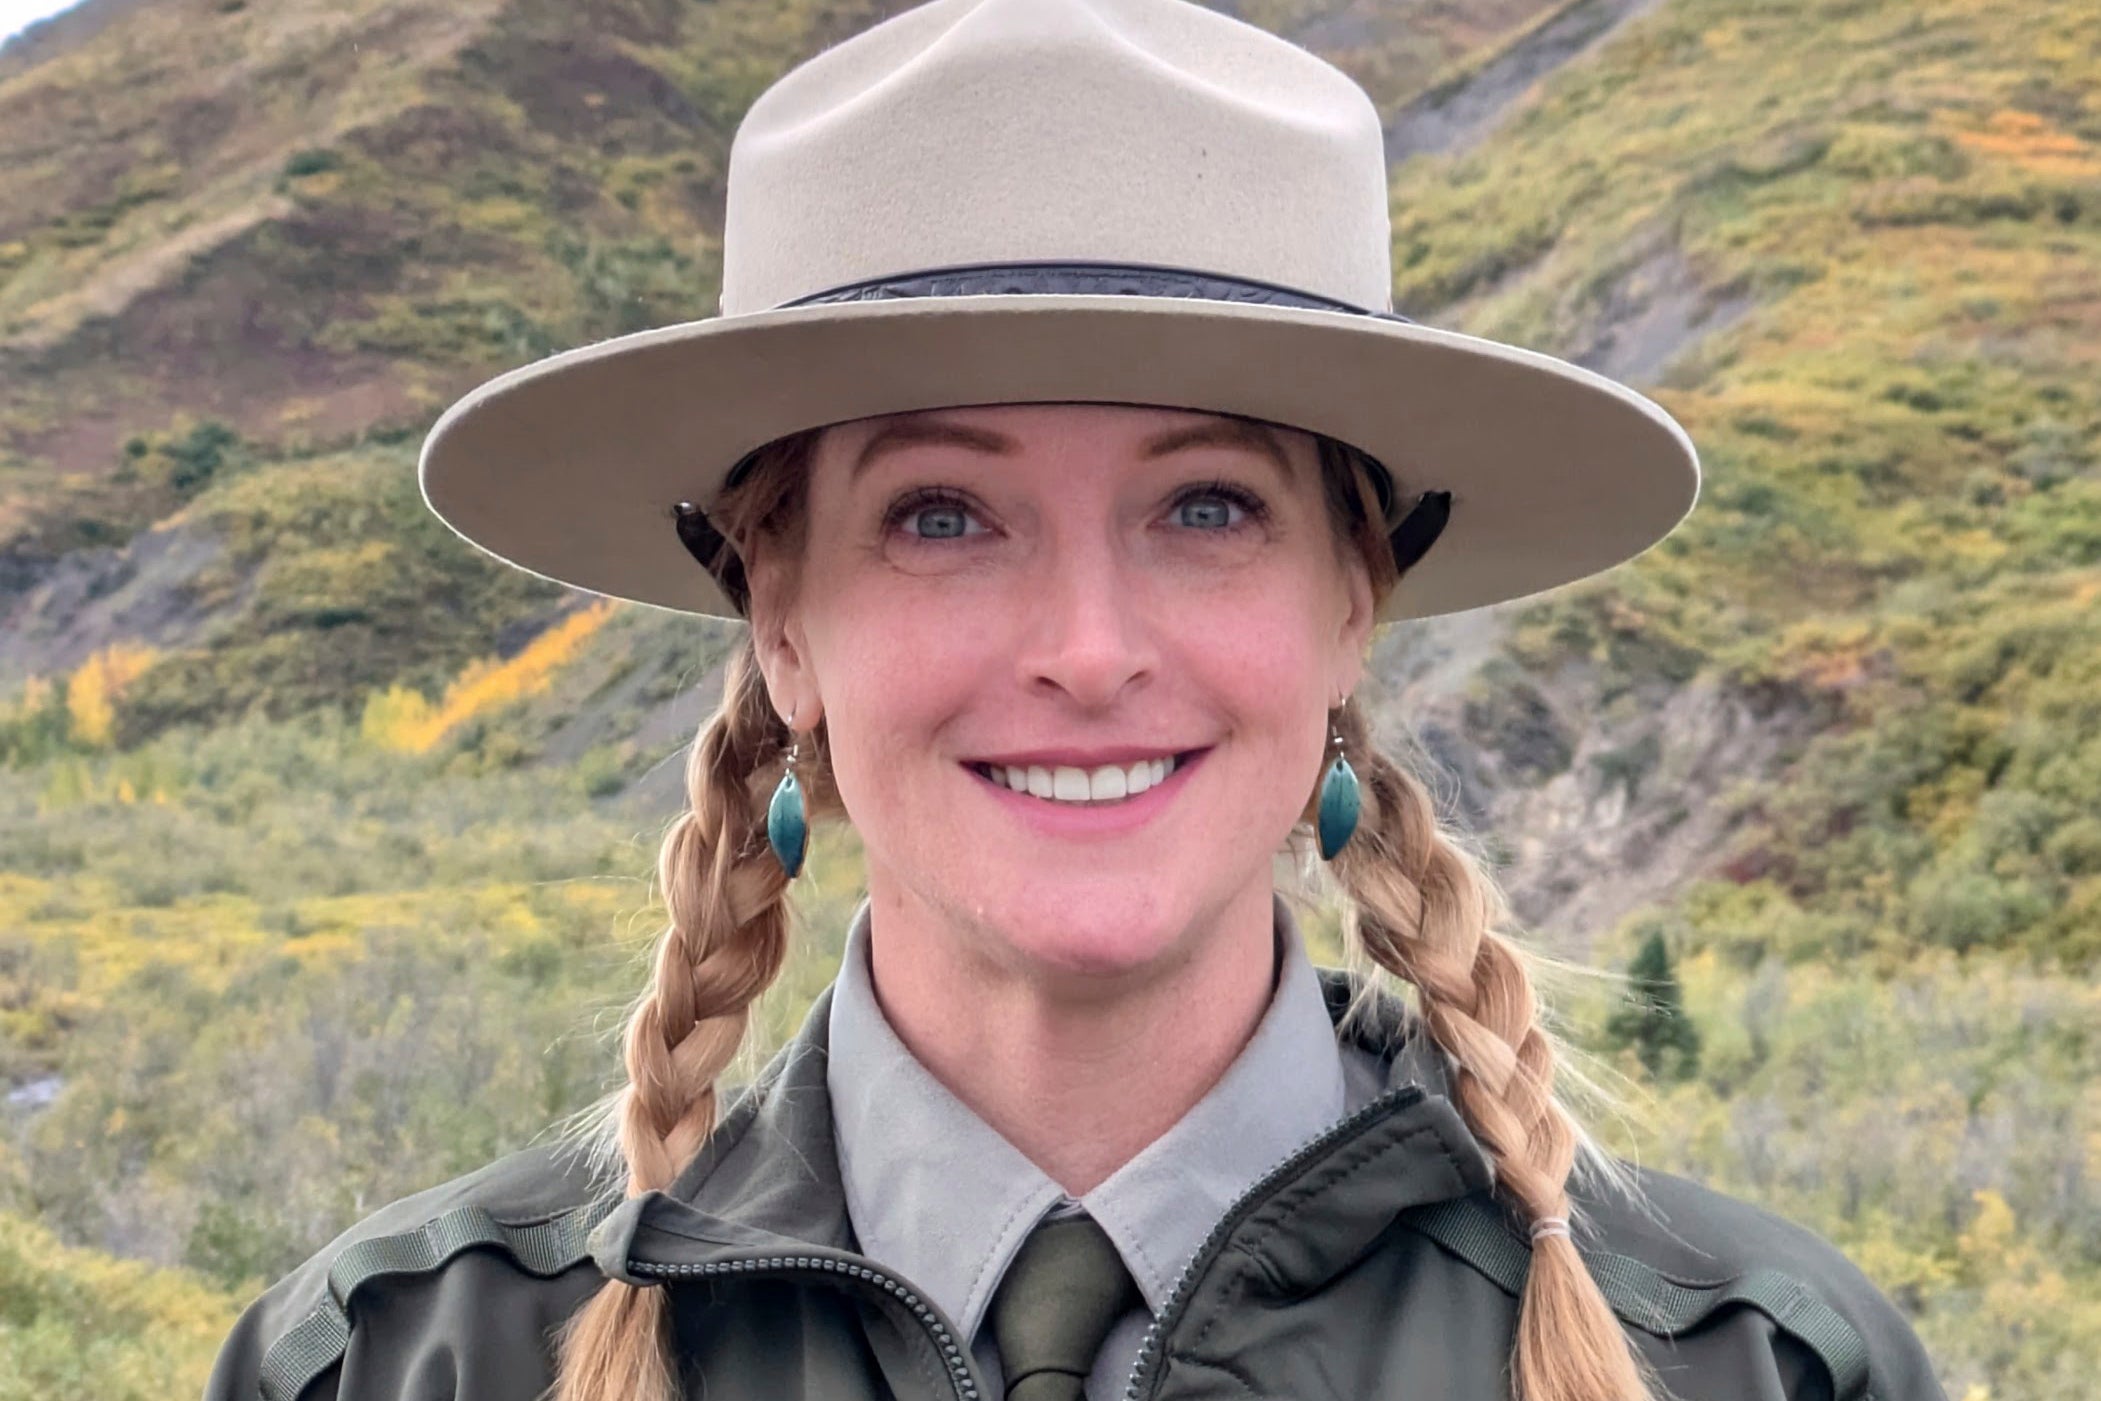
(1136, 432)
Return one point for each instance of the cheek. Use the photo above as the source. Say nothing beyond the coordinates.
(1283, 668)
(891, 679)
(1275, 629)
(1268, 674)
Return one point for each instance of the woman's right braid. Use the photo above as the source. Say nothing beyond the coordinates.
(727, 938)
(1423, 911)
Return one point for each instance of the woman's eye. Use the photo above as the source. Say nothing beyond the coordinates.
(937, 520)
(1210, 510)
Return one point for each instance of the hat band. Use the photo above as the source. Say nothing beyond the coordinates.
(1082, 279)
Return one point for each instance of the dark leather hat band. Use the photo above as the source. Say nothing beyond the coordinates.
(1082, 279)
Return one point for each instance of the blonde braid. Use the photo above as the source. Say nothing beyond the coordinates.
(1425, 912)
(725, 944)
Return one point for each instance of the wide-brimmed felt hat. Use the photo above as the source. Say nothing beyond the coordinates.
(1033, 201)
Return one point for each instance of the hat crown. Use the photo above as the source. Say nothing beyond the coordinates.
(990, 131)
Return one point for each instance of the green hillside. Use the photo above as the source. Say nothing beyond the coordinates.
(325, 842)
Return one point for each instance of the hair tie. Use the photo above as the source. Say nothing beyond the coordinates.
(1550, 1226)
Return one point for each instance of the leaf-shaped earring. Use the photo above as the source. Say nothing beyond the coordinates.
(787, 820)
(1340, 802)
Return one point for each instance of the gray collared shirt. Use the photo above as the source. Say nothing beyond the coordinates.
(941, 1197)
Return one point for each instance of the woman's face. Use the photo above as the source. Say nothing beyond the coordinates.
(1075, 661)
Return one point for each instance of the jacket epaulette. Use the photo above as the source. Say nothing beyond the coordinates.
(1660, 1281)
(533, 1208)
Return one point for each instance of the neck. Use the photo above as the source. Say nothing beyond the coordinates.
(1080, 1075)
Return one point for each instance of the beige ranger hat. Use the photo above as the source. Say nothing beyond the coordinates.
(1029, 201)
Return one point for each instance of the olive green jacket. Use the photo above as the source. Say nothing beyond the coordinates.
(1374, 1262)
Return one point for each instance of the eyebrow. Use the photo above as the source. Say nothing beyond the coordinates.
(908, 429)
(1226, 433)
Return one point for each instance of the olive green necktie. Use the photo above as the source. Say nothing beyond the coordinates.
(1063, 1293)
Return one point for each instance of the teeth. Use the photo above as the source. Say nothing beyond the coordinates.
(1108, 784)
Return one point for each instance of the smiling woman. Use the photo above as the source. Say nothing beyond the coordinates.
(1060, 513)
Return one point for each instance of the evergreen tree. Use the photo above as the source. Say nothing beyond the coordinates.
(1653, 1020)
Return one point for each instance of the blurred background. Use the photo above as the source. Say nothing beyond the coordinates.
(327, 843)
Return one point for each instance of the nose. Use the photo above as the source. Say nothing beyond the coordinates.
(1091, 637)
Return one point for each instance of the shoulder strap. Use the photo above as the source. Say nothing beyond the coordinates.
(545, 1248)
(1473, 1230)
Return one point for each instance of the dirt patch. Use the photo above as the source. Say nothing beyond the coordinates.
(116, 284)
(1654, 309)
(1458, 115)
(229, 337)
(1624, 809)
(1611, 835)
(580, 93)
(151, 590)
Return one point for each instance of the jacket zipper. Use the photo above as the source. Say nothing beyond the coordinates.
(1144, 1374)
(944, 1337)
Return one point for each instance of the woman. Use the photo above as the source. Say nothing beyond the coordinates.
(1059, 449)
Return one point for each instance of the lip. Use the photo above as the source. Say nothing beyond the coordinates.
(1071, 821)
(1125, 754)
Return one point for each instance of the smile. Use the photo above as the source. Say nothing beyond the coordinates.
(1103, 784)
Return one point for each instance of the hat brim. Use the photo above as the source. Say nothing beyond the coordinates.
(569, 467)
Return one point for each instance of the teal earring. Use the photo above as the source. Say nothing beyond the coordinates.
(1340, 803)
(787, 820)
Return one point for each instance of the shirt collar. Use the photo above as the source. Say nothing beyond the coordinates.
(942, 1197)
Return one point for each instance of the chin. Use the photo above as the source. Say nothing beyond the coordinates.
(1091, 933)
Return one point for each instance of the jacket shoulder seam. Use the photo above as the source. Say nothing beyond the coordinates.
(1652, 1301)
(545, 1247)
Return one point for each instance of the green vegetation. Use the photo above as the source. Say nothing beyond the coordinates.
(336, 578)
(1653, 1023)
(273, 1005)
(76, 1323)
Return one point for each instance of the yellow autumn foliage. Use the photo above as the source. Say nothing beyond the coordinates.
(402, 719)
(2028, 140)
(93, 690)
(219, 937)
(82, 1323)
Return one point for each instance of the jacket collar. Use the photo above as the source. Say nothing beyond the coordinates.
(767, 1181)
(940, 1194)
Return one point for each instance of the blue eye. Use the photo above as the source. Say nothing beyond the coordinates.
(1217, 507)
(934, 518)
(1206, 512)
(941, 522)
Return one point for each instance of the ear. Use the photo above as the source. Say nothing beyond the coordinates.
(1354, 628)
(782, 648)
